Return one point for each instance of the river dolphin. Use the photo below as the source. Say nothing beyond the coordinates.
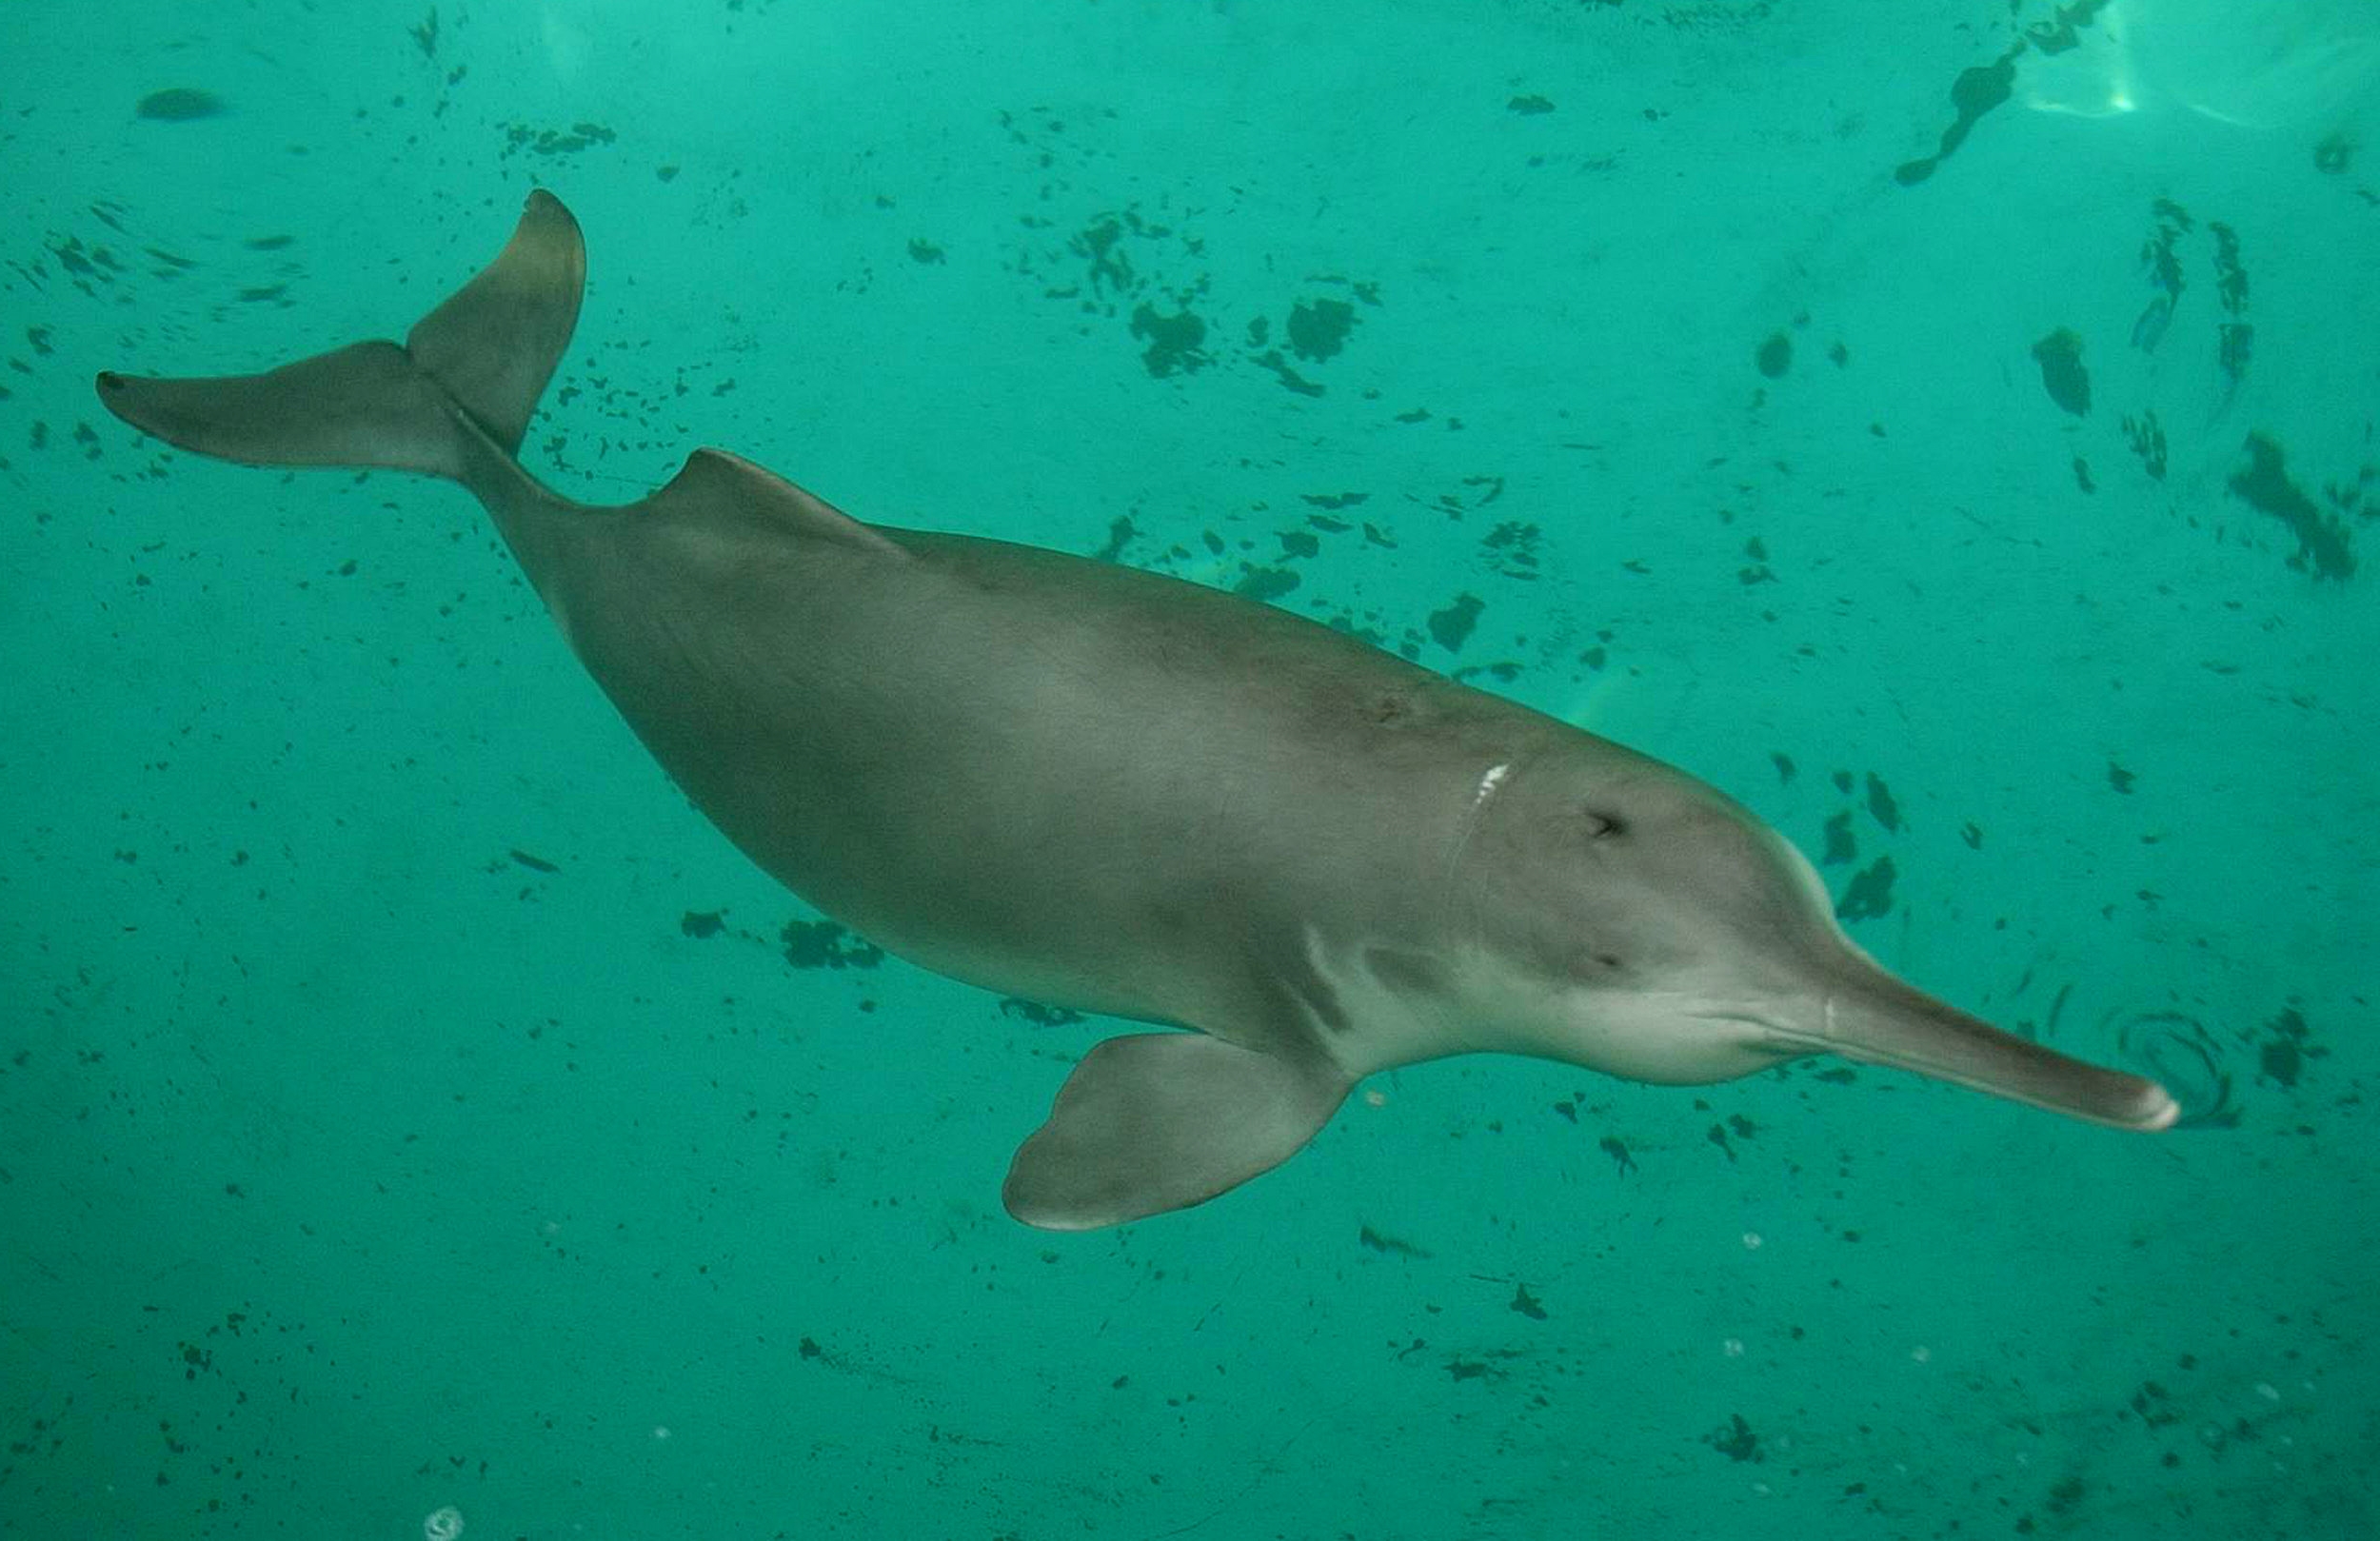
(1128, 793)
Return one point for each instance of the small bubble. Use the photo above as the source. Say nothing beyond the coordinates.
(1375, 1098)
(2268, 1391)
(1751, 1241)
(442, 1524)
(1732, 1348)
(1921, 1354)
(661, 1431)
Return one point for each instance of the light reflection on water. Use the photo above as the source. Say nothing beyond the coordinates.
(2289, 63)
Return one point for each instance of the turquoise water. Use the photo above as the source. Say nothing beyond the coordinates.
(1951, 431)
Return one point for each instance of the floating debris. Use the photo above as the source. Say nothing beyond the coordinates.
(180, 104)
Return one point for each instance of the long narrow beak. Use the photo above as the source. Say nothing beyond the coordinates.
(1877, 1019)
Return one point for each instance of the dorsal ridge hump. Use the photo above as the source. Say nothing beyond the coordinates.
(716, 486)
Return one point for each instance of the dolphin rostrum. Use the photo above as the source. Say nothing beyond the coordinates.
(1124, 792)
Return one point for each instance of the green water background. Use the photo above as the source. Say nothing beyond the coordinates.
(407, 1101)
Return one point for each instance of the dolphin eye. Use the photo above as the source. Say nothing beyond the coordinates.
(1601, 826)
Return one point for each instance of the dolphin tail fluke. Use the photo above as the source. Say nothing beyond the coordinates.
(497, 339)
(479, 362)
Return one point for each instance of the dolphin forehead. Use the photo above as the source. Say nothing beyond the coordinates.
(1592, 865)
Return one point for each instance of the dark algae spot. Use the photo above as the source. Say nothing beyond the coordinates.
(825, 944)
(1291, 379)
(2063, 30)
(1451, 627)
(1176, 343)
(2168, 223)
(1527, 1304)
(1841, 847)
(701, 924)
(579, 136)
(1976, 91)
(1120, 533)
(1982, 87)
(1880, 804)
(2235, 340)
(1393, 1246)
(2062, 375)
(1775, 355)
(2230, 277)
(1514, 546)
(1735, 1441)
(1319, 329)
(180, 104)
(2283, 1055)
(1038, 1013)
(1869, 894)
(2147, 437)
(2234, 346)
(1263, 585)
(2264, 484)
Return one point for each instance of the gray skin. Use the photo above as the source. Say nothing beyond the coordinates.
(1123, 793)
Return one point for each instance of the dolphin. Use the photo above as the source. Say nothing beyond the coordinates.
(1305, 859)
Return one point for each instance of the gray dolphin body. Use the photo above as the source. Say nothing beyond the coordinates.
(1120, 792)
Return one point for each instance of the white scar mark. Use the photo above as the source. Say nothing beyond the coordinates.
(1486, 789)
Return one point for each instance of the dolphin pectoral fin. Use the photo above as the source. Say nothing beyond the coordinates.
(1158, 1121)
